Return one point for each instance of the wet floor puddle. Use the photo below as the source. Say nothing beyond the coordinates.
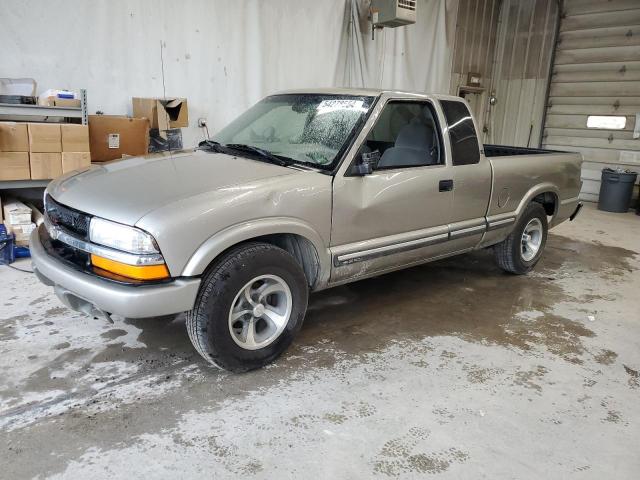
(470, 298)
(467, 297)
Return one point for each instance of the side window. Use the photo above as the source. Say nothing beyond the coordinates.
(462, 132)
(405, 135)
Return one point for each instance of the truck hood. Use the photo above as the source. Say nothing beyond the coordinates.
(126, 190)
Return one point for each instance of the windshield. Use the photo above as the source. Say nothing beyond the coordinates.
(306, 128)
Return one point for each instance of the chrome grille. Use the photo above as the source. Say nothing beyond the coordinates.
(67, 218)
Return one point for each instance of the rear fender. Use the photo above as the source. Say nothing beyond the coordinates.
(534, 192)
(502, 224)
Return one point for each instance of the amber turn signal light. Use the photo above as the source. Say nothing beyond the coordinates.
(137, 272)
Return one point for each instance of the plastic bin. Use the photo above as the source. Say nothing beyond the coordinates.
(6, 246)
(616, 189)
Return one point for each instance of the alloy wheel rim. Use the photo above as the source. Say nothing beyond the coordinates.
(531, 239)
(260, 312)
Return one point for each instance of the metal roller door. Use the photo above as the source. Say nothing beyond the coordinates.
(596, 73)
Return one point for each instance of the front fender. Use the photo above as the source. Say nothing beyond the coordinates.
(242, 232)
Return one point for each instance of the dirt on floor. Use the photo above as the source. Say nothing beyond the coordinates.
(453, 369)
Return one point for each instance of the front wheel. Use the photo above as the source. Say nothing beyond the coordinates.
(251, 304)
(522, 249)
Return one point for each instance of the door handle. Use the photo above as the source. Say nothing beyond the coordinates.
(445, 185)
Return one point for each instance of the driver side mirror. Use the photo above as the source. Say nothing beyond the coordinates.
(366, 164)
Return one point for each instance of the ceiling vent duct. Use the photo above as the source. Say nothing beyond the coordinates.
(393, 13)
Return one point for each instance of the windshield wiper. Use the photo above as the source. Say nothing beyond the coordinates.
(262, 153)
(211, 145)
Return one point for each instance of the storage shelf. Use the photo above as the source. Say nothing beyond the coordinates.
(23, 112)
(7, 184)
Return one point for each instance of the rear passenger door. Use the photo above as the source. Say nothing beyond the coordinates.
(471, 176)
(398, 214)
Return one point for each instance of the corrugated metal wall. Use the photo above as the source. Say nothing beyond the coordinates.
(596, 72)
(526, 35)
(476, 31)
(509, 43)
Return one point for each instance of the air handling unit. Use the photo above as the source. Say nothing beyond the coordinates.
(393, 13)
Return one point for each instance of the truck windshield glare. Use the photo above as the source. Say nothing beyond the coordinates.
(312, 129)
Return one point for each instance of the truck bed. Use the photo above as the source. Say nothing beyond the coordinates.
(505, 150)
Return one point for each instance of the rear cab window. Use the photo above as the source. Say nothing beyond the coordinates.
(462, 133)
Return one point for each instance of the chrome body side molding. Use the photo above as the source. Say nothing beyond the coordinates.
(362, 255)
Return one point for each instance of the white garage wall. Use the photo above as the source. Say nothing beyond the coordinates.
(222, 55)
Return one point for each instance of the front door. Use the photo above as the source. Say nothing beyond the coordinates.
(399, 214)
(471, 177)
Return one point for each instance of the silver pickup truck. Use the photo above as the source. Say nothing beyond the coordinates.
(306, 190)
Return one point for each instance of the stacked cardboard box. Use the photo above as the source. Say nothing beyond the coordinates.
(17, 218)
(14, 151)
(75, 147)
(42, 151)
(45, 150)
(166, 118)
(163, 114)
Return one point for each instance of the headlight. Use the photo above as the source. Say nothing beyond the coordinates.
(121, 237)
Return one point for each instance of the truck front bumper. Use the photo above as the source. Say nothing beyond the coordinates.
(93, 295)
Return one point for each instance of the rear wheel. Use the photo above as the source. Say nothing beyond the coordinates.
(522, 249)
(251, 304)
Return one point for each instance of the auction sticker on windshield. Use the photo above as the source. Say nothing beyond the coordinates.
(340, 104)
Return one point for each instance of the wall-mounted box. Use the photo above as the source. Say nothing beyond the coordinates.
(394, 13)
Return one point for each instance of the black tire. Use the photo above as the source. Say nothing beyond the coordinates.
(508, 253)
(208, 322)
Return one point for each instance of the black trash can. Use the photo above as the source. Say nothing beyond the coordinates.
(616, 189)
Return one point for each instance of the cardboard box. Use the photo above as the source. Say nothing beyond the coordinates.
(59, 102)
(59, 98)
(21, 232)
(68, 102)
(162, 114)
(14, 137)
(45, 138)
(36, 214)
(16, 212)
(75, 138)
(14, 166)
(45, 166)
(75, 161)
(112, 136)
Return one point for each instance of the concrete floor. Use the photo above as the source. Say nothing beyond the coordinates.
(453, 369)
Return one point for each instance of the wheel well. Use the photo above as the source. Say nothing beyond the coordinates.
(549, 201)
(300, 248)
